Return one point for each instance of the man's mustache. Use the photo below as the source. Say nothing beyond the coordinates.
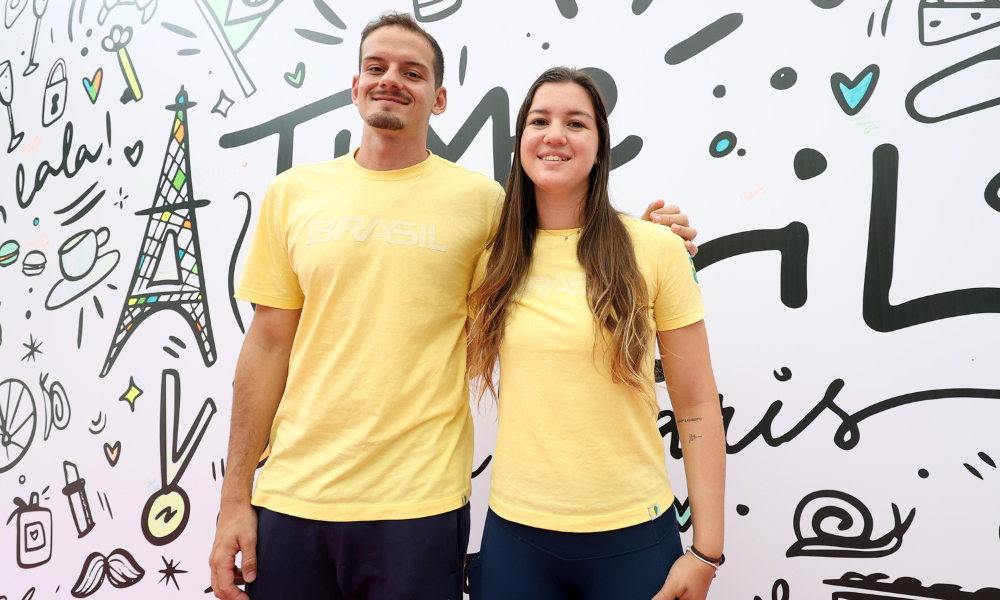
(395, 95)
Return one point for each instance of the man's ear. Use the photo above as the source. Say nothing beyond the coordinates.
(440, 101)
(354, 89)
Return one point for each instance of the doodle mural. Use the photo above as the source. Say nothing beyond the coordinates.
(853, 296)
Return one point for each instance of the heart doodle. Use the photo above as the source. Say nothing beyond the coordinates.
(93, 87)
(133, 153)
(852, 95)
(112, 452)
(295, 79)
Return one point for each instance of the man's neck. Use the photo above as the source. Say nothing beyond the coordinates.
(382, 152)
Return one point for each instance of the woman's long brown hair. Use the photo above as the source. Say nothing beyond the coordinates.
(616, 290)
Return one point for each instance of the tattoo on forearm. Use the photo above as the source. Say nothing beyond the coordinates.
(689, 420)
(692, 437)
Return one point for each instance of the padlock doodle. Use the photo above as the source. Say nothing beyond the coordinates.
(54, 97)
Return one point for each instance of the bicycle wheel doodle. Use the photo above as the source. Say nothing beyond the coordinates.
(17, 412)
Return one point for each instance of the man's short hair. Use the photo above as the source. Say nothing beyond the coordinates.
(405, 21)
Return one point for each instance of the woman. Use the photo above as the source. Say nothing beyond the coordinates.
(571, 298)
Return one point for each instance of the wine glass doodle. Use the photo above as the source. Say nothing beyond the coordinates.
(6, 97)
(38, 7)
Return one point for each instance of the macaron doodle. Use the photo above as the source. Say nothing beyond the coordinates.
(33, 263)
(9, 252)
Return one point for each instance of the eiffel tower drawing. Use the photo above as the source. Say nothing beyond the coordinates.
(168, 274)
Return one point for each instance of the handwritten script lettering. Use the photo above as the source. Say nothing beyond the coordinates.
(83, 155)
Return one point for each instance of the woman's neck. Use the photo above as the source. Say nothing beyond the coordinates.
(560, 210)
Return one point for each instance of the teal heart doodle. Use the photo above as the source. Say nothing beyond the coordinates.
(852, 95)
(295, 79)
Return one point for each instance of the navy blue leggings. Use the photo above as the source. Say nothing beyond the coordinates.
(517, 561)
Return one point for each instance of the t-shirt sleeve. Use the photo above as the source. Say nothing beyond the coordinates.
(477, 279)
(493, 220)
(677, 301)
(268, 277)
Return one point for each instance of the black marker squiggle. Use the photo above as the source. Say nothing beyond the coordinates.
(482, 467)
(232, 261)
(879, 314)
(846, 437)
(792, 241)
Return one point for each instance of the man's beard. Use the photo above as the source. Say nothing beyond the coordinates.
(385, 120)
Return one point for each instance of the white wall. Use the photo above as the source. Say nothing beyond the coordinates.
(932, 337)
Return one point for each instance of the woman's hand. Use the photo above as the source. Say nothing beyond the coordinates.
(689, 579)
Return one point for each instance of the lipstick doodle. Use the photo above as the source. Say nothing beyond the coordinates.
(76, 494)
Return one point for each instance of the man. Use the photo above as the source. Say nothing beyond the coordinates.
(354, 364)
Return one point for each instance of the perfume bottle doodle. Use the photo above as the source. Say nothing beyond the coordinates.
(34, 531)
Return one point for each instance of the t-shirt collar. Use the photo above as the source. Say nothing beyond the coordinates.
(421, 168)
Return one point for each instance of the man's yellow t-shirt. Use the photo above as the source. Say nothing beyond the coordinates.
(374, 422)
(576, 452)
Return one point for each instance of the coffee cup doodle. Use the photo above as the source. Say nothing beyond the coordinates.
(78, 254)
(83, 265)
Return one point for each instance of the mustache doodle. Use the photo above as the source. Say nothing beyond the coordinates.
(119, 568)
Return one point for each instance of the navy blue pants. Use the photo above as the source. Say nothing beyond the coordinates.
(517, 561)
(411, 559)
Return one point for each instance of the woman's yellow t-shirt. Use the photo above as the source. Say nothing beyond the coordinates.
(576, 452)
